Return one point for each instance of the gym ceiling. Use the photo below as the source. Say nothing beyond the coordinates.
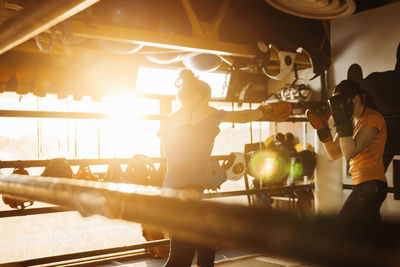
(83, 47)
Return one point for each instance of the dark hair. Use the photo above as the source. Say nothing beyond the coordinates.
(350, 89)
(189, 85)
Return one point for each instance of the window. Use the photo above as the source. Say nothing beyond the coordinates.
(162, 81)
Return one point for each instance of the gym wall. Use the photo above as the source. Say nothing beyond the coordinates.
(369, 39)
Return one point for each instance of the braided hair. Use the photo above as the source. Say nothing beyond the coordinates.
(189, 85)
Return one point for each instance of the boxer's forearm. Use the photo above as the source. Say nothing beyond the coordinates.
(333, 149)
(348, 147)
(243, 116)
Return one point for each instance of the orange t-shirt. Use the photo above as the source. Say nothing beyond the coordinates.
(368, 165)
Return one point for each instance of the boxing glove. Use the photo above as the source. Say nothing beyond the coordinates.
(342, 111)
(318, 115)
(276, 111)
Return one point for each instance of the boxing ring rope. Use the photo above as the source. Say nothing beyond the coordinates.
(72, 162)
(89, 257)
(208, 195)
(255, 229)
(288, 191)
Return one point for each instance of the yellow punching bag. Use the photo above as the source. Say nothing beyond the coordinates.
(44, 80)
(6, 72)
(25, 74)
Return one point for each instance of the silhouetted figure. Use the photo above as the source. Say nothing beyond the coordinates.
(384, 88)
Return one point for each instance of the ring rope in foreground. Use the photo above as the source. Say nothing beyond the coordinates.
(256, 229)
(288, 190)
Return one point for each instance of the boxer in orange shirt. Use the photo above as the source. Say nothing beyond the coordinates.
(360, 138)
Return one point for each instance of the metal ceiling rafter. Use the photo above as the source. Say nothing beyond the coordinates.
(223, 8)
(202, 29)
(162, 40)
(196, 27)
(32, 21)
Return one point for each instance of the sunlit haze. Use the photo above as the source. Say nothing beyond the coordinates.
(123, 135)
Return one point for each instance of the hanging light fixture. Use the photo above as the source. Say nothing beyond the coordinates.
(316, 9)
(202, 62)
(165, 57)
(276, 64)
(118, 47)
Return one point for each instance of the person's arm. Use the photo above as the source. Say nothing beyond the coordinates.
(318, 115)
(243, 116)
(351, 147)
(333, 148)
(342, 110)
(275, 111)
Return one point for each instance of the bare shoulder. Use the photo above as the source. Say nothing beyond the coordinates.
(172, 118)
(202, 113)
(189, 115)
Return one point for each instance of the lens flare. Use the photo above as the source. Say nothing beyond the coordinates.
(297, 170)
(269, 166)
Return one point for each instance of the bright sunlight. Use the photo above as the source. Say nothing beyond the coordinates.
(123, 135)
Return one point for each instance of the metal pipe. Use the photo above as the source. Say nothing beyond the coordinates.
(101, 254)
(248, 228)
(68, 115)
(281, 190)
(74, 162)
(36, 19)
(89, 115)
(31, 211)
(391, 190)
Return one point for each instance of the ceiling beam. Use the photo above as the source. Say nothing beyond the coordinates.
(223, 8)
(34, 20)
(30, 47)
(162, 40)
(196, 27)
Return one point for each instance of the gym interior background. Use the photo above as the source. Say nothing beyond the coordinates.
(368, 37)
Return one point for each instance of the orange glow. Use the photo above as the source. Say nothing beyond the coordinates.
(6, 72)
(123, 135)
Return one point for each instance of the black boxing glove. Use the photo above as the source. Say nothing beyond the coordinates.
(342, 111)
(318, 115)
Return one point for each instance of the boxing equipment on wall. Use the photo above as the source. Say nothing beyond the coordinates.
(13, 202)
(247, 87)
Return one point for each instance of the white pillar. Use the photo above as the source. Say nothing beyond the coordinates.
(328, 182)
